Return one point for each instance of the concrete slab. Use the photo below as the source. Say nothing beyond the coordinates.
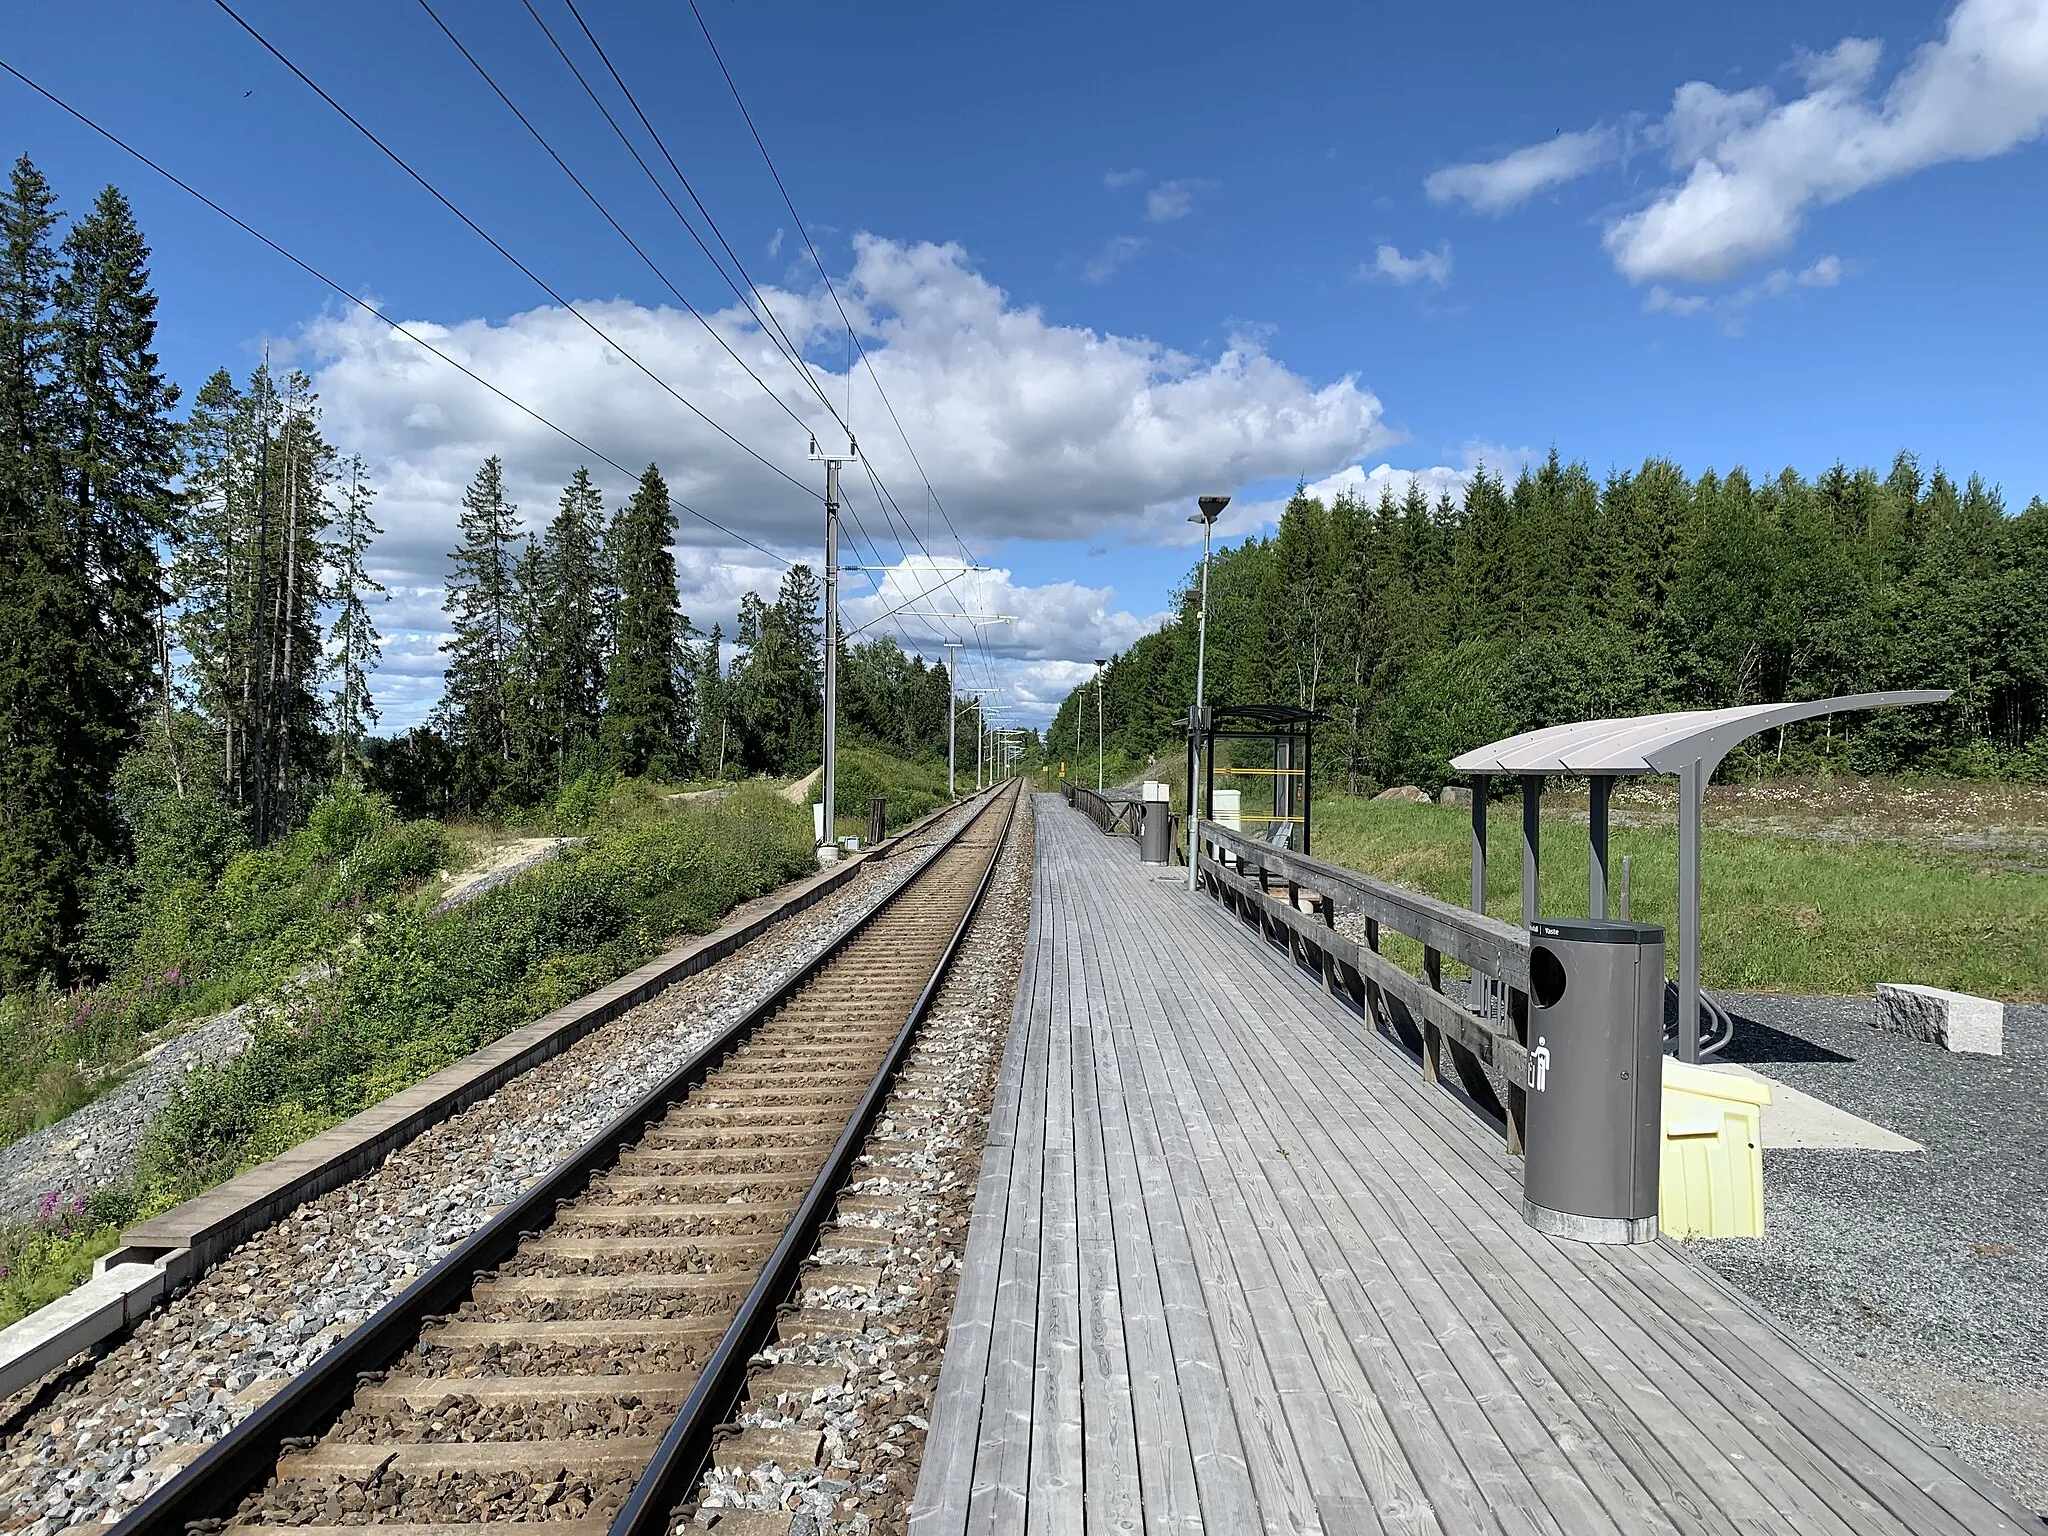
(1796, 1119)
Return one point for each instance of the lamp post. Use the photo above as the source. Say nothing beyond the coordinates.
(1211, 508)
(1100, 662)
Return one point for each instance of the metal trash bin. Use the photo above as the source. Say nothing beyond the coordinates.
(1595, 1084)
(1155, 831)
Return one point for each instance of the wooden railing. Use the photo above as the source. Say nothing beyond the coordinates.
(1115, 811)
(1295, 902)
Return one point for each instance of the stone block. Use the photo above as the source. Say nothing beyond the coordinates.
(1406, 792)
(1955, 1021)
(1454, 794)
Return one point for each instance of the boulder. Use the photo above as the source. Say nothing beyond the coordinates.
(1955, 1021)
(1406, 792)
(1454, 794)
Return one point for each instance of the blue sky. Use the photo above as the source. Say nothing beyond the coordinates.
(1103, 257)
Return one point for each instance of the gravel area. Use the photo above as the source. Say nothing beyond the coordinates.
(1920, 1275)
(95, 1146)
(906, 1214)
(91, 1446)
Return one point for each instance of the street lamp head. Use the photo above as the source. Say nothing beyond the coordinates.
(1212, 508)
(1102, 661)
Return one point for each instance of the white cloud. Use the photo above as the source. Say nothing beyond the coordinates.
(1753, 167)
(1730, 307)
(1116, 180)
(1172, 200)
(1424, 266)
(1028, 429)
(775, 245)
(1027, 666)
(1103, 264)
(1495, 186)
(1368, 485)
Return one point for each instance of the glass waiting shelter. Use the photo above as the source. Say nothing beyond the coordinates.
(1261, 755)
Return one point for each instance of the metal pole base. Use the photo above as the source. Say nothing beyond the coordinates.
(1590, 1229)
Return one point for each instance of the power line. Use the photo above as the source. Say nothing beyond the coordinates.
(538, 281)
(368, 308)
(771, 328)
(606, 214)
(740, 101)
(659, 143)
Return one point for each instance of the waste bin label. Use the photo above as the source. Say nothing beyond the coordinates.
(1539, 1065)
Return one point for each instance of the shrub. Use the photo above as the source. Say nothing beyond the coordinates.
(425, 990)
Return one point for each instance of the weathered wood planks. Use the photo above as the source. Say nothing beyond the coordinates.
(1235, 1267)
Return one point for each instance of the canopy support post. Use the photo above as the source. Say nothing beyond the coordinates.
(1602, 786)
(1532, 836)
(1480, 781)
(1691, 790)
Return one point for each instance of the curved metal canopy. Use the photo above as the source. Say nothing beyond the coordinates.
(1663, 743)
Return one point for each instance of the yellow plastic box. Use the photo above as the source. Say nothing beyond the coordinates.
(1712, 1178)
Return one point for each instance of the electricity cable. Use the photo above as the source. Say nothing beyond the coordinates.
(771, 327)
(606, 214)
(538, 281)
(370, 309)
(787, 202)
(662, 145)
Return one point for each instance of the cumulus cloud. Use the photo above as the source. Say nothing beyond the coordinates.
(1731, 307)
(1117, 180)
(1115, 252)
(1369, 485)
(1424, 266)
(1495, 186)
(1028, 429)
(1752, 167)
(1172, 200)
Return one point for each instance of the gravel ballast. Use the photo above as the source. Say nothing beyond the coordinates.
(95, 1445)
(1919, 1275)
(904, 1218)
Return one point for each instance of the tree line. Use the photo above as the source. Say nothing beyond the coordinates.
(1424, 628)
(571, 657)
(188, 635)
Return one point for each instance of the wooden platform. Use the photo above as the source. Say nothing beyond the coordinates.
(1235, 1268)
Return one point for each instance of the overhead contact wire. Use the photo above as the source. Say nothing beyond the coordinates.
(484, 235)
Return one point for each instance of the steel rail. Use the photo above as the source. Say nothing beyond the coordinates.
(204, 1495)
(671, 1477)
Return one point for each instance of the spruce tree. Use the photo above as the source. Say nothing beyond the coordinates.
(353, 638)
(572, 625)
(475, 712)
(41, 867)
(646, 714)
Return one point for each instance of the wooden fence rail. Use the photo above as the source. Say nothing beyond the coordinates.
(1294, 901)
(1113, 810)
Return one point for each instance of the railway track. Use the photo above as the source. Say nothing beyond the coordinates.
(571, 1363)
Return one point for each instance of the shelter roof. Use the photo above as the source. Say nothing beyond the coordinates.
(1662, 743)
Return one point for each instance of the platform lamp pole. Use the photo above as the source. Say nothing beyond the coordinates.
(1100, 662)
(1211, 508)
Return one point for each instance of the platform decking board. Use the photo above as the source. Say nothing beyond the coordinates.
(1167, 1323)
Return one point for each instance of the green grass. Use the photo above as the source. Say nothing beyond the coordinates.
(199, 949)
(43, 1259)
(912, 789)
(424, 990)
(1779, 914)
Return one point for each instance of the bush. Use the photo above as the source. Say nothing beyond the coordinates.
(394, 857)
(425, 990)
(345, 818)
(912, 789)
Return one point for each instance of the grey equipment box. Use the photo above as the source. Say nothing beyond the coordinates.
(1596, 1079)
